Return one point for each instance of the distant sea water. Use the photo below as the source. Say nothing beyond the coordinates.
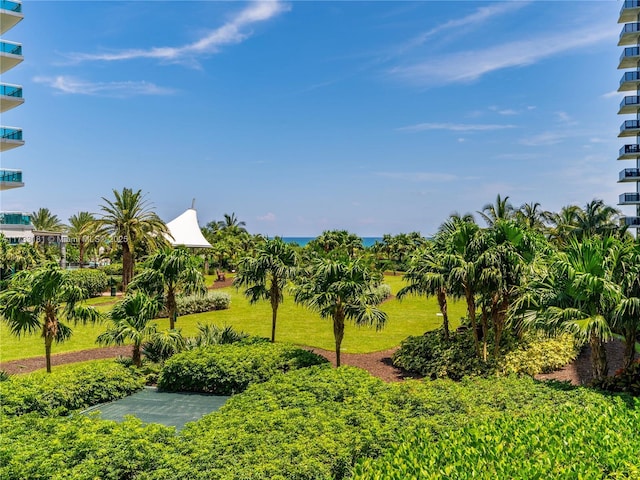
(302, 241)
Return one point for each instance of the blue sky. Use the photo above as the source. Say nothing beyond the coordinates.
(377, 117)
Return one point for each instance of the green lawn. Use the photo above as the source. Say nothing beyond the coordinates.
(296, 324)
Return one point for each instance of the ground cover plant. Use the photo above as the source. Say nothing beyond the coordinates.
(231, 368)
(67, 388)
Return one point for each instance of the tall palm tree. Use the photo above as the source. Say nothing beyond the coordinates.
(130, 221)
(83, 231)
(39, 300)
(563, 224)
(232, 223)
(626, 318)
(131, 321)
(530, 215)
(502, 209)
(168, 272)
(267, 274)
(341, 290)
(44, 220)
(597, 218)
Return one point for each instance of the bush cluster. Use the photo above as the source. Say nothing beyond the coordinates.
(430, 355)
(201, 303)
(383, 291)
(113, 268)
(231, 368)
(67, 388)
(625, 380)
(93, 281)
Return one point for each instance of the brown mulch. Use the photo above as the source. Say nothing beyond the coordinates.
(228, 281)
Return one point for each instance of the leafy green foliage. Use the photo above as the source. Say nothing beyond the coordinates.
(432, 356)
(190, 304)
(568, 441)
(94, 282)
(228, 369)
(625, 380)
(70, 388)
(114, 268)
(80, 448)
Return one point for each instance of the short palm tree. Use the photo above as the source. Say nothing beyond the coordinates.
(44, 220)
(341, 290)
(502, 209)
(131, 322)
(266, 275)
(130, 221)
(39, 300)
(169, 272)
(83, 232)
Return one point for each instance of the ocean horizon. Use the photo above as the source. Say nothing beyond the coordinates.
(302, 241)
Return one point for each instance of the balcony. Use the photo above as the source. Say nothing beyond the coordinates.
(630, 34)
(10, 137)
(630, 58)
(629, 104)
(629, 128)
(10, 179)
(629, 152)
(629, 199)
(629, 175)
(629, 11)
(10, 97)
(10, 14)
(630, 81)
(10, 55)
(15, 218)
(633, 222)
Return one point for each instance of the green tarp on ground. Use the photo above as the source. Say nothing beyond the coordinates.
(152, 406)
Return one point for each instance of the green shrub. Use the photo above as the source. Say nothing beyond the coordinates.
(67, 388)
(93, 281)
(228, 369)
(80, 448)
(383, 291)
(566, 442)
(625, 380)
(201, 303)
(539, 354)
(113, 269)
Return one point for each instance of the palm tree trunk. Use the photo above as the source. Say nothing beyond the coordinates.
(136, 356)
(598, 357)
(172, 308)
(471, 310)
(81, 248)
(127, 266)
(485, 331)
(442, 303)
(48, 340)
(274, 315)
(629, 347)
(338, 333)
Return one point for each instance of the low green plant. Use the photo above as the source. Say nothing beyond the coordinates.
(68, 388)
(625, 380)
(537, 353)
(229, 369)
(92, 281)
(200, 303)
(113, 268)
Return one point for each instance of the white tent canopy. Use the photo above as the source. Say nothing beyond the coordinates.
(185, 231)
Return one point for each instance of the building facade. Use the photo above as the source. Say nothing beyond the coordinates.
(16, 226)
(630, 105)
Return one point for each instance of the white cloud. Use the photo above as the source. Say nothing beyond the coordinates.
(419, 176)
(454, 127)
(613, 93)
(564, 117)
(269, 217)
(232, 32)
(469, 65)
(544, 139)
(76, 86)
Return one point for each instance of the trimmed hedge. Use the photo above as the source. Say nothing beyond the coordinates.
(201, 303)
(68, 388)
(229, 369)
(93, 281)
(567, 442)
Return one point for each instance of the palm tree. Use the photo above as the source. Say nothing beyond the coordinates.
(232, 223)
(168, 272)
(39, 299)
(579, 294)
(341, 290)
(266, 275)
(502, 209)
(597, 218)
(131, 321)
(627, 314)
(428, 275)
(44, 220)
(563, 224)
(83, 231)
(530, 215)
(131, 222)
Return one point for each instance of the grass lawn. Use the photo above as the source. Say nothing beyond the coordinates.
(296, 324)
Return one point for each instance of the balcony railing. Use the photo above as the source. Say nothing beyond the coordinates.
(10, 176)
(629, 198)
(631, 221)
(630, 173)
(630, 100)
(629, 150)
(10, 133)
(630, 4)
(11, 48)
(15, 218)
(11, 6)
(630, 125)
(633, 76)
(630, 52)
(11, 91)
